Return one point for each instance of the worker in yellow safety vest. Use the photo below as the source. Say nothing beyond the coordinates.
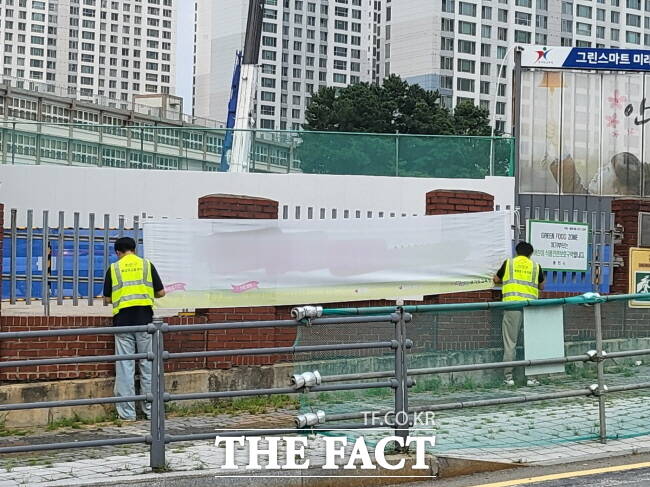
(130, 285)
(522, 280)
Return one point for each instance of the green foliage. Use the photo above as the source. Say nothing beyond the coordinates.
(397, 107)
(252, 405)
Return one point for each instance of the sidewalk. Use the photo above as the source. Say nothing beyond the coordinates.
(535, 433)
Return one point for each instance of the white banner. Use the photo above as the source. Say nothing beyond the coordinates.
(229, 263)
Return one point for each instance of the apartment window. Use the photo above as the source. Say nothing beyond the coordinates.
(633, 20)
(267, 110)
(635, 4)
(567, 26)
(565, 41)
(583, 44)
(633, 37)
(541, 21)
(503, 15)
(446, 62)
(501, 52)
(524, 3)
(583, 29)
(501, 108)
(467, 47)
(447, 25)
(465, 84)
(468, 28)
(522, 18)
(615, 17)
(567, 8)
(501, 90)
(486, 50)
(466, 66)
(465, 8)
(485, 87)
(583, 11)
(522, 36)
(446, 82)
(502, 34)
(340, 64)
(446, 44)
(448, 6)
(486, 31)
(340, 51)
(600, 14)
(600, 32)
(486, 13)
(614, 34)
(542, 4)
(340, 78)
(267, 96)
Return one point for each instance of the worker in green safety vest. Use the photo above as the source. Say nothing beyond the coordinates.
(522, 280)
(130, 285)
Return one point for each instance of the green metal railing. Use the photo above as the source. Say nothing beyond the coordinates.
(201, 149)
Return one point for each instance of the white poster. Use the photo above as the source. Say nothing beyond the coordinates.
(583, 133)
(560, 246)
(229, 263)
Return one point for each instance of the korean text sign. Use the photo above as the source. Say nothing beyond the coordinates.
(560, 246)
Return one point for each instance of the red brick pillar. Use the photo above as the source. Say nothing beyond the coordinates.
(221, 206)
(626, 212)
(451, 201)
(462, 330)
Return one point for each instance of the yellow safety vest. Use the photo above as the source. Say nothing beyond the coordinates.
(132, 284)
(520, 279)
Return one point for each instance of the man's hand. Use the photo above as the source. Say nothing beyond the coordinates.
(160, 294)
(497, 280)
(107, 300)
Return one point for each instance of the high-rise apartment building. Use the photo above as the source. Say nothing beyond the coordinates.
(457, 47)
(305, 44)
(98, 50)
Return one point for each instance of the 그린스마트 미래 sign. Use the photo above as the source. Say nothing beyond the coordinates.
(560, 246)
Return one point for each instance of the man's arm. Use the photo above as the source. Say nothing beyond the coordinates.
(498, 278)
(158, 288)
(108, 287)
(541, 279)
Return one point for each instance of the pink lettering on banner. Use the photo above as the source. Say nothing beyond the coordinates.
(247, 286)
(177, 286)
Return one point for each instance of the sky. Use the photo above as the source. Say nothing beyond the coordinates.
(185, 52)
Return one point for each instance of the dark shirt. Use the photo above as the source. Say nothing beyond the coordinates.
(502, 271)
(134, 315)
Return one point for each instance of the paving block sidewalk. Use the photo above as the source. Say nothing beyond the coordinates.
(541, 432)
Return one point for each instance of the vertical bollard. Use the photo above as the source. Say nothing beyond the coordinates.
(601, 373)
(401, 409)
(157, 454)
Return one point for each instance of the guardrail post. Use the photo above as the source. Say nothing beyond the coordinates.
(157, 453)
(602, 419)
(401, 390)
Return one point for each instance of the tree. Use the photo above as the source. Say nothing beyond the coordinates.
(394, 107)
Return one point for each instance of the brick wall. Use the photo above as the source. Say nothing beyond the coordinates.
(626, 212)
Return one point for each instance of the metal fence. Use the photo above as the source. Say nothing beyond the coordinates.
(399, 379)
(602, 237)
(61, 262)
(123, 144)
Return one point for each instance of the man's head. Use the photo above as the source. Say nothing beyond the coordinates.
(124, 245)
(524, 248)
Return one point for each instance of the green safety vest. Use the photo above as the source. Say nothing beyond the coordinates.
(132, 284)
(520, 279)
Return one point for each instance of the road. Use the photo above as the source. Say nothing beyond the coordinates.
(628, 471)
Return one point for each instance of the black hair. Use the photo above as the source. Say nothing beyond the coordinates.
(125, 244)
(524, 248)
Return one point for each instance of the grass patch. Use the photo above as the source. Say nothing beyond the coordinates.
(4, 431)
(252, 405)
(77, 422)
